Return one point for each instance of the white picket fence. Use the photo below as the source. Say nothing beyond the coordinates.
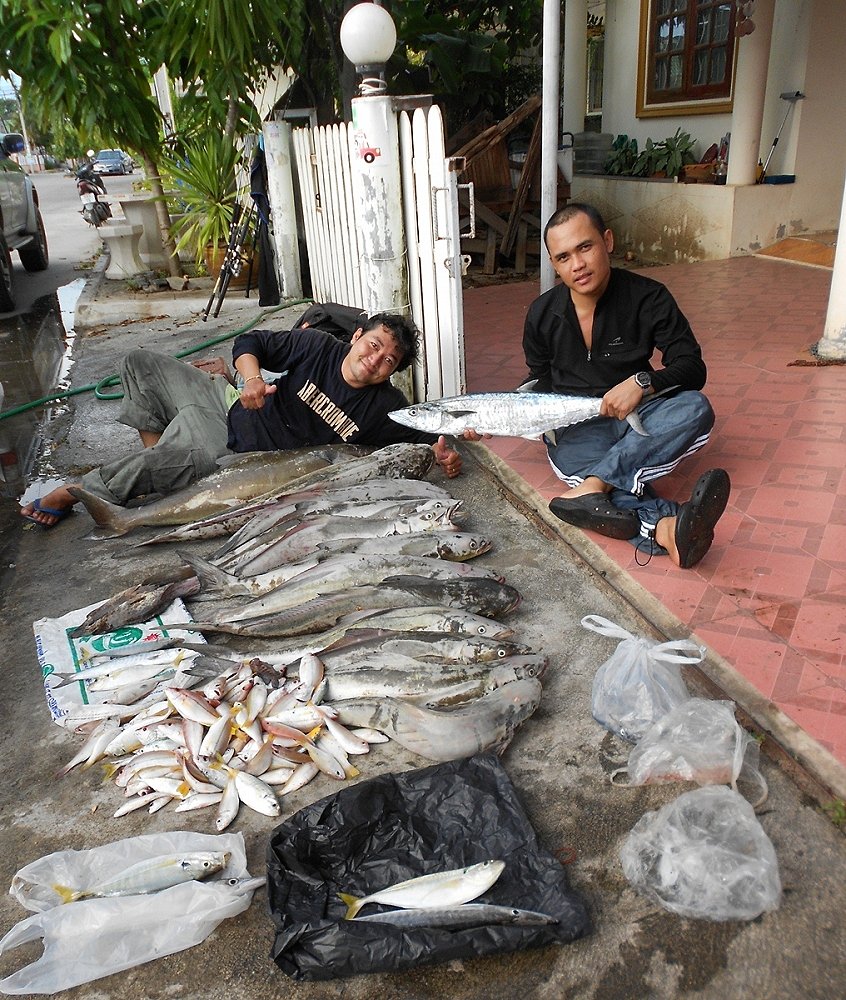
(331, 225)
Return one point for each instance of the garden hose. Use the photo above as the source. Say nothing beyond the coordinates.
(114, 380)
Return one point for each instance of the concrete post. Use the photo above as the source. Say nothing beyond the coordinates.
(750, 84)
(574, 99)
(377, 193)
(833, 344)
(280, 192)
(550, 128)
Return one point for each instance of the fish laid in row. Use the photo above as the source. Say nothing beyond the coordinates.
(233, 484)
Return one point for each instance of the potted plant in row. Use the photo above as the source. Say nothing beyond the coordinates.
(666, 158)
(203, 178)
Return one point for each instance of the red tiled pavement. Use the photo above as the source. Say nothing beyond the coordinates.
(770, 596)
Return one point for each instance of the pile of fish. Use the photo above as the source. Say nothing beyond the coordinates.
(379, 623)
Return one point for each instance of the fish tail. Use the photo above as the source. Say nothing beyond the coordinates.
(633, 420)
(111, 519)
(210, 576)
(352, 903)
(66, 894)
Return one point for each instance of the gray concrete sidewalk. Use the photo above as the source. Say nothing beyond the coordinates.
(559, 762)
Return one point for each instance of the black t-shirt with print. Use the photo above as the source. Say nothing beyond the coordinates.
(313, 405)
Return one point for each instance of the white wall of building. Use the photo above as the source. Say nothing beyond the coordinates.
(808, 54)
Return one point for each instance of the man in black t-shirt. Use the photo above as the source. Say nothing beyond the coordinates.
(595, 334)
(327, 392)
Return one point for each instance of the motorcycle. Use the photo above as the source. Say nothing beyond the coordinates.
(90, 186)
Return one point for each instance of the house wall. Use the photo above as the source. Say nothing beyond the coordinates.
(671, 223)
(684, 222)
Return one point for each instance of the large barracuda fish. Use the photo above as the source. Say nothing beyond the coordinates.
(261, 478)
(504, 414)
(488, 723)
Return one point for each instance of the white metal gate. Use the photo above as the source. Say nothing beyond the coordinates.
(323, 158)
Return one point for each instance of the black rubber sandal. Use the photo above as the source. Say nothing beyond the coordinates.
(696, 519)
(595, 512)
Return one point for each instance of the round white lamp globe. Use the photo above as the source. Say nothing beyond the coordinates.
(368, 35)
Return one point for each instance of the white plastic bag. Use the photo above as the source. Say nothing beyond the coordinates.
(640, 681)
(91, 938)
(701, 741)
(705, 855)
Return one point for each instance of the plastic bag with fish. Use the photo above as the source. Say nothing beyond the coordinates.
(704, 855)
(91, 938)
(641, 680)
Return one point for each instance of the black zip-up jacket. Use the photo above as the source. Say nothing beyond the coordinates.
(634, 316)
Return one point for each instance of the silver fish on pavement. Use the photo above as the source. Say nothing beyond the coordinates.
(465, 915)
(338, 573)
(504, 414)
(241, 478)
(477, 595)
(456, 546)
(433, 684)
(488, 723)
(438, 889)
(241, 519)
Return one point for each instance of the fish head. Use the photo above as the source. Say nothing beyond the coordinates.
(421, 417)
(461, 546)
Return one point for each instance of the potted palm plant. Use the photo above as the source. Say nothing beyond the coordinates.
(202, 175)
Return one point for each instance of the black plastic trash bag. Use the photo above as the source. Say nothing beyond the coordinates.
(395, 827)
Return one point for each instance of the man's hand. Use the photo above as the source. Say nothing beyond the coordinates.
(621, 399)
(447, 458)
(254, 393)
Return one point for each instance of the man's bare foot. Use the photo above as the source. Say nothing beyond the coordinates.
(665, 535)
(51, 508)
(590, 485)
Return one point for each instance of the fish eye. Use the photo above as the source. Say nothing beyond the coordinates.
(500, 652)
(482, 630)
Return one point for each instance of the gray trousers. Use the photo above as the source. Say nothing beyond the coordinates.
(186, 406)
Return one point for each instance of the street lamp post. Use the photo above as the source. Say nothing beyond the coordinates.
(368, 37)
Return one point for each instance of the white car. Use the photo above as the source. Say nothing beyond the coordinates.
(22, 226)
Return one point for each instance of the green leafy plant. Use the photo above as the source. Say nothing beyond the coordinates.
(622, 158)
(202, 175)
(666, 157)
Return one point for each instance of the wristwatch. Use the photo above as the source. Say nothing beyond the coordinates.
(644, 380)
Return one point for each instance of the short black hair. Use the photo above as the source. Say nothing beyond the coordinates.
(404, 332)
(567, 213)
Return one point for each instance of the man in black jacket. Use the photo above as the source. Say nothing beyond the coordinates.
(595, 334)
(327, 391)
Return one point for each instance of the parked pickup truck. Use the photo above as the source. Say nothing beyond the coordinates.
(22, 226)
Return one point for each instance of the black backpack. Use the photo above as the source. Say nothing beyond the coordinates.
(340, 321)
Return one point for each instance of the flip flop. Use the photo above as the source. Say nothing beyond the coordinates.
(60, 515)
(595, 512)
(696, 519)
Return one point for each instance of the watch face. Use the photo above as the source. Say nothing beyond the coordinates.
(643, 379)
